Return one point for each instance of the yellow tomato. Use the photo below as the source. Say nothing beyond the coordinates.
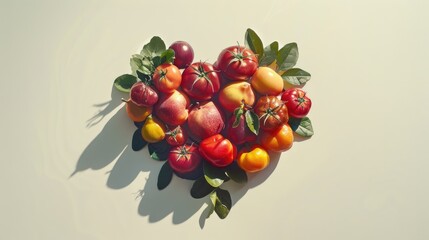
(255, 160)
(279, 140)
(266, 81)
(136, 113)
(153, 130)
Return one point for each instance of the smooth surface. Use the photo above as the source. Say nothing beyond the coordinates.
(364, 175)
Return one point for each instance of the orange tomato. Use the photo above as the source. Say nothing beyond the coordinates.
(254, 160)
(136, 113)
(167, 78)
(279, 140)
(266, 81)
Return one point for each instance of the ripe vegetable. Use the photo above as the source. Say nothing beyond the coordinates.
(218, 151)
(153, 130)
(278, 140)
(200, 81)
(272, 112)
(183, 54)
(136, 113)
(237, 63)
(176, 137)
(254, 160)
(167, 78)
(184, 159)
(235, 94)
(297, 102)
(266, 81)
(142, 95)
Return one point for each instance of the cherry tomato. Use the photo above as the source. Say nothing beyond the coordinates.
(167, 78)
(297, 102)
(218, 151)
(237, 63)
(254, 160)
(279, 140)
(176, 137)
(200, 81)
(183, 54)
(272, 112)
(184, 159)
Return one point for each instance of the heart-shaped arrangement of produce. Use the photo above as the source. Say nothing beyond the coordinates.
(212, 123)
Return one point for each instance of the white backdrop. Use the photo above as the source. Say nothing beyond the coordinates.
(364, 175)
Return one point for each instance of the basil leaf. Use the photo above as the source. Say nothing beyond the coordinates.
(138, 143)
(124, 82)
(201, 188)
(155, 47)
(236, 173)
(287, 56)
(213, 203)
(305, 128)
(223, 203)
(296, 76)
(270, 54)
(213, 175)
(252, 121)
(252, 41)
(238, 112)
(165, 175)
(167, 56)
(159, 151)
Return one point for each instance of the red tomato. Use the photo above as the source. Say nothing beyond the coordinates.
(200, 81)
(297, 102)
(167, 78)
(237, 63)
(176, 137)
(184, 159)
(272, 112)
(218, 151)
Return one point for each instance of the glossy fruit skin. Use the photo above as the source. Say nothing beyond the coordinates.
(234, 94)
(254, 160)
(200, 81)
(183, 54)
(143, 95)
(184, 159)
(176, 137)
(153, 130)
(136, 113)
(266, 81)
(167, 78)
(172, 108)
(278, 140)
(297, 102)
(205, 119)
(218, 151)
(241, 133)
(272, 112)
(237, 63)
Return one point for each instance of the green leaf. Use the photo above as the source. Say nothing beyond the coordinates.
(305, 128)
(214, 176)
(167, 56)
(135, 63)
(236, 173)
(201, 188)
(287, 56)
(223, 203)
(156, 61)
(252, 121)
(155, 47)
(252, 41)
(213, 203)
(294, 123)
(124, 82)
(296, 76)
(270, 54)
(138, 143)
(165, 176)
(159, 151)
(238, 112)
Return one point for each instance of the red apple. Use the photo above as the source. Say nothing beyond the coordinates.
(205, 120)
(172, 108)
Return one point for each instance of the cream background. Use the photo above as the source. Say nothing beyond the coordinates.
(364, 175)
